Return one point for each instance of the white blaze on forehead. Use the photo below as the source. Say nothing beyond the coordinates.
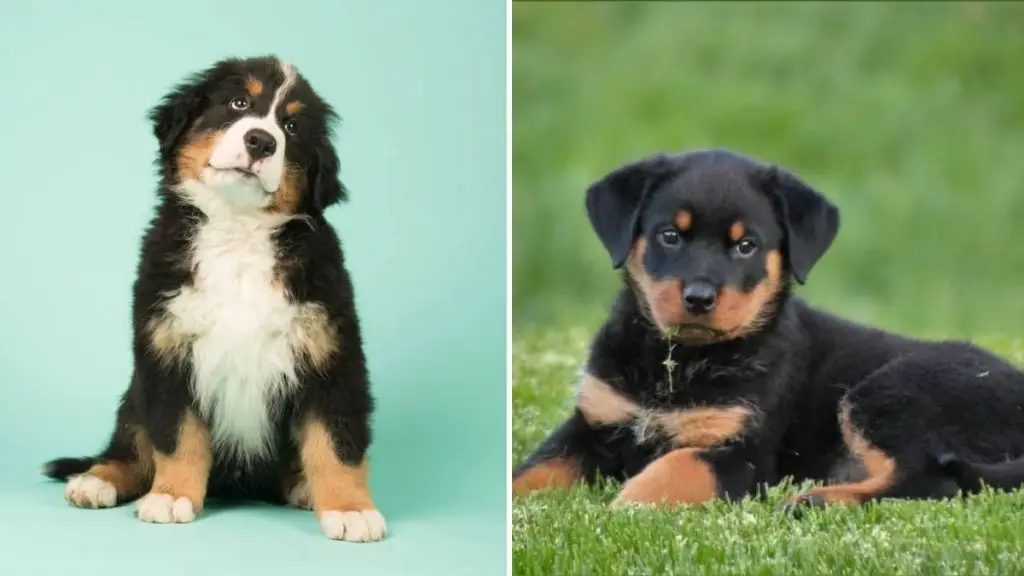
(231, 152)
(289, 82)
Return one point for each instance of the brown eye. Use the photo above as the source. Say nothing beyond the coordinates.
(745, 248)
(291, 127)
(239, 103)
(670, 238)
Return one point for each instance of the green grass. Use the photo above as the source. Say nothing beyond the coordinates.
(575, 533)
(909, 115)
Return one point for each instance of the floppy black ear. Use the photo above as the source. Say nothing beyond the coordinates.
(810, 220)
(327, 189)
(177, 110)
(615, 201)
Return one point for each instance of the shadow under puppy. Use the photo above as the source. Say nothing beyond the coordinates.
(249, 377)
(709, 379)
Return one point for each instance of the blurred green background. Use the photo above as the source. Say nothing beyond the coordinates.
(910, 116)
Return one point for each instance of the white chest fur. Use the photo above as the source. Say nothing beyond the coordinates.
(242, 330)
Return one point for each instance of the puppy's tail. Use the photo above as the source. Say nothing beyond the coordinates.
(970, 476)
(63, 468)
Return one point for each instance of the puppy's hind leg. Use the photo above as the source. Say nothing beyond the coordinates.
(118, 475)
(898, 421)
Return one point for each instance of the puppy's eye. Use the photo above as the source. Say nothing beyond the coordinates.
(239, 103)
(291, 127)
(745, 248)
(670, 238)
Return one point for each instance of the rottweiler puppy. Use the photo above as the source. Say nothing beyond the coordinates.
(710, 379)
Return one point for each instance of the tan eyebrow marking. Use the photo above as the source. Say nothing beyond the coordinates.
(684, 219)
(294, 107)
(254, 86)
(737, 231)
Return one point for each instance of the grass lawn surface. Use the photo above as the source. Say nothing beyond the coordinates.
(575, 533)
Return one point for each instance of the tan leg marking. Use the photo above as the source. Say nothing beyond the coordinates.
(111, 482)
(704, 427)
(179, 485)
(341, 496)
(315, 337)
(880, 469)
(679, 477)
(555, 473)
(167, 342)
(296, 490)
(601, 404)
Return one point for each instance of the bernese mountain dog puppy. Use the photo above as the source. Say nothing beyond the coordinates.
(249, 376)
(710, 379)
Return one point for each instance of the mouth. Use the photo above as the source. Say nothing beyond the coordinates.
(690, 332)
(238, 175)
(243, 172)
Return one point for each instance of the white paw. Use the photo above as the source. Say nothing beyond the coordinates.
(164, 509)
(88, 491)
(300, 496)
(363, 526)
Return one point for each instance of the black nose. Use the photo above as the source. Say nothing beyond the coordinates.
(699, 297)
(260, 144)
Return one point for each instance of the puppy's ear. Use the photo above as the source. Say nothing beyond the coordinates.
(324, 184)
(615, 201)
(810, 220)
(177, 111)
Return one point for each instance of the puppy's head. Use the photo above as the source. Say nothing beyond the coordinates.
(710, 239)
(249, 134)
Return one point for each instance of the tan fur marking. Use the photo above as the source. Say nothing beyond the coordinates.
(556, 473)
(684, 219)
(664, 298)
(294, 107)
(704, 427)
(315, 337)
(289, 482)
(335, 486)
(184, 473)
(880, 469)
(289, 192)
(195, 155)
(130, 478)
(253, 86)
(679, 477)
(741, 313)
(601, 404)
(737, 231)
(168, 343)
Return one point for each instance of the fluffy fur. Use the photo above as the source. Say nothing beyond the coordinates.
(709, 379)
(249, 377)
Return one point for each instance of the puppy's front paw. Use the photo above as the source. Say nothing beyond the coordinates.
(300, 495)
(159, 508)
(88, 491)
(354, 526)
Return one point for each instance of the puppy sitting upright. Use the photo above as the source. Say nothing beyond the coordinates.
(709, 379)
(249, 377)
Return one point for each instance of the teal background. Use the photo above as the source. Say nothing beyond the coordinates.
(421, 89)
